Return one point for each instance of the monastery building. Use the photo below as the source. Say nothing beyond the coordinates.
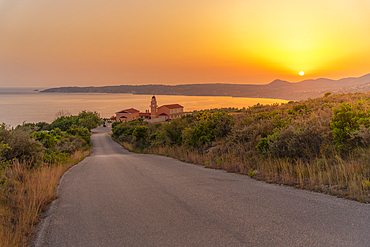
(156, 113)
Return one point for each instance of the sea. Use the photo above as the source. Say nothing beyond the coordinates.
(26, 105)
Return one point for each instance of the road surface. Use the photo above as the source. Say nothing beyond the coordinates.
(118, 198)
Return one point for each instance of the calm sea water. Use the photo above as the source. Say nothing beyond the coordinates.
(18, 105)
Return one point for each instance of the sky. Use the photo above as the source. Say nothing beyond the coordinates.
(58, 43)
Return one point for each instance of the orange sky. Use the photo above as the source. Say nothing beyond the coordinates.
(84, 42)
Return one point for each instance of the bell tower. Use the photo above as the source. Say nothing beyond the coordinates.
(153, 107)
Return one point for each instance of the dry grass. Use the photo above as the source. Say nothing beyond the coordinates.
(128, 146)
(343, 178)
(26, 195)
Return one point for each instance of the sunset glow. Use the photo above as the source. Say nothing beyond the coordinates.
(67, 43)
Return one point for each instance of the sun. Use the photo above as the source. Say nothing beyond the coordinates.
(301, 73)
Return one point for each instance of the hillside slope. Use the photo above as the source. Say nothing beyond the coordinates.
(278, 89)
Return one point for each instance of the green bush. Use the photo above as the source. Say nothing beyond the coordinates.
(89, 120)
(327, 94)
(20, 145)
(221, 124)
(3, 149)
(208, 128)
(198, 135)
(48, 139)
(293, 142)
(85, 119)
(345, 122)
(159, 138)
(83, 133)
(263, 145)
(115, 124)
(55, 157)
(64, 123)
(27, 144)
(301, 109)
(173, 131)
(69, 144)
(120, 129)
(141, 133)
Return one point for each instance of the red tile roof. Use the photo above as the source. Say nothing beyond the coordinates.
(121, 112)
(131, 110)
(123, 117)
(173, 106)
(163, 114)
(144, 114)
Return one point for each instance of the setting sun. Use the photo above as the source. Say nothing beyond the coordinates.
(301, 73)
(82, 43)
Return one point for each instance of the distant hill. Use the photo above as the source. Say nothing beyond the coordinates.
(278, 89)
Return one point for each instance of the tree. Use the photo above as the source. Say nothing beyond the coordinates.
(62, 113)
(89, 120)
(65, 123)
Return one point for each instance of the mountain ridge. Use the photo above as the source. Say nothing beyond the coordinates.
(277, 89)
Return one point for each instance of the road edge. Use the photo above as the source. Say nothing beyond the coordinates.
(40, 229)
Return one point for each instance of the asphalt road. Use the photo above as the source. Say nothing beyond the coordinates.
(118, 198)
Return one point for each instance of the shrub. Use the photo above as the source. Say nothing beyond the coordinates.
(301, 109)
(83, 133)
(48, 139)
(198, 135)
(21, 146)
(363, 134)
(141, 133)
(245, 133)
(69, 144)
(65, 123)
(115, 124)
(85, 119)
(89, 120)
(173, 131)
(221, 124)
(3, 149)
(345, 122)
(159, 138)
(55, 157)
(263, 145)
(293, 142)
(327, 94)
(119, 129)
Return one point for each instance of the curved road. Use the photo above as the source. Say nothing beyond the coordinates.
(118, 198)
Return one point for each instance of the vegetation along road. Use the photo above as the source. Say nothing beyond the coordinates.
(118, 198)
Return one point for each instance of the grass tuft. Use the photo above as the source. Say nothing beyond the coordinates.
(25, 196)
